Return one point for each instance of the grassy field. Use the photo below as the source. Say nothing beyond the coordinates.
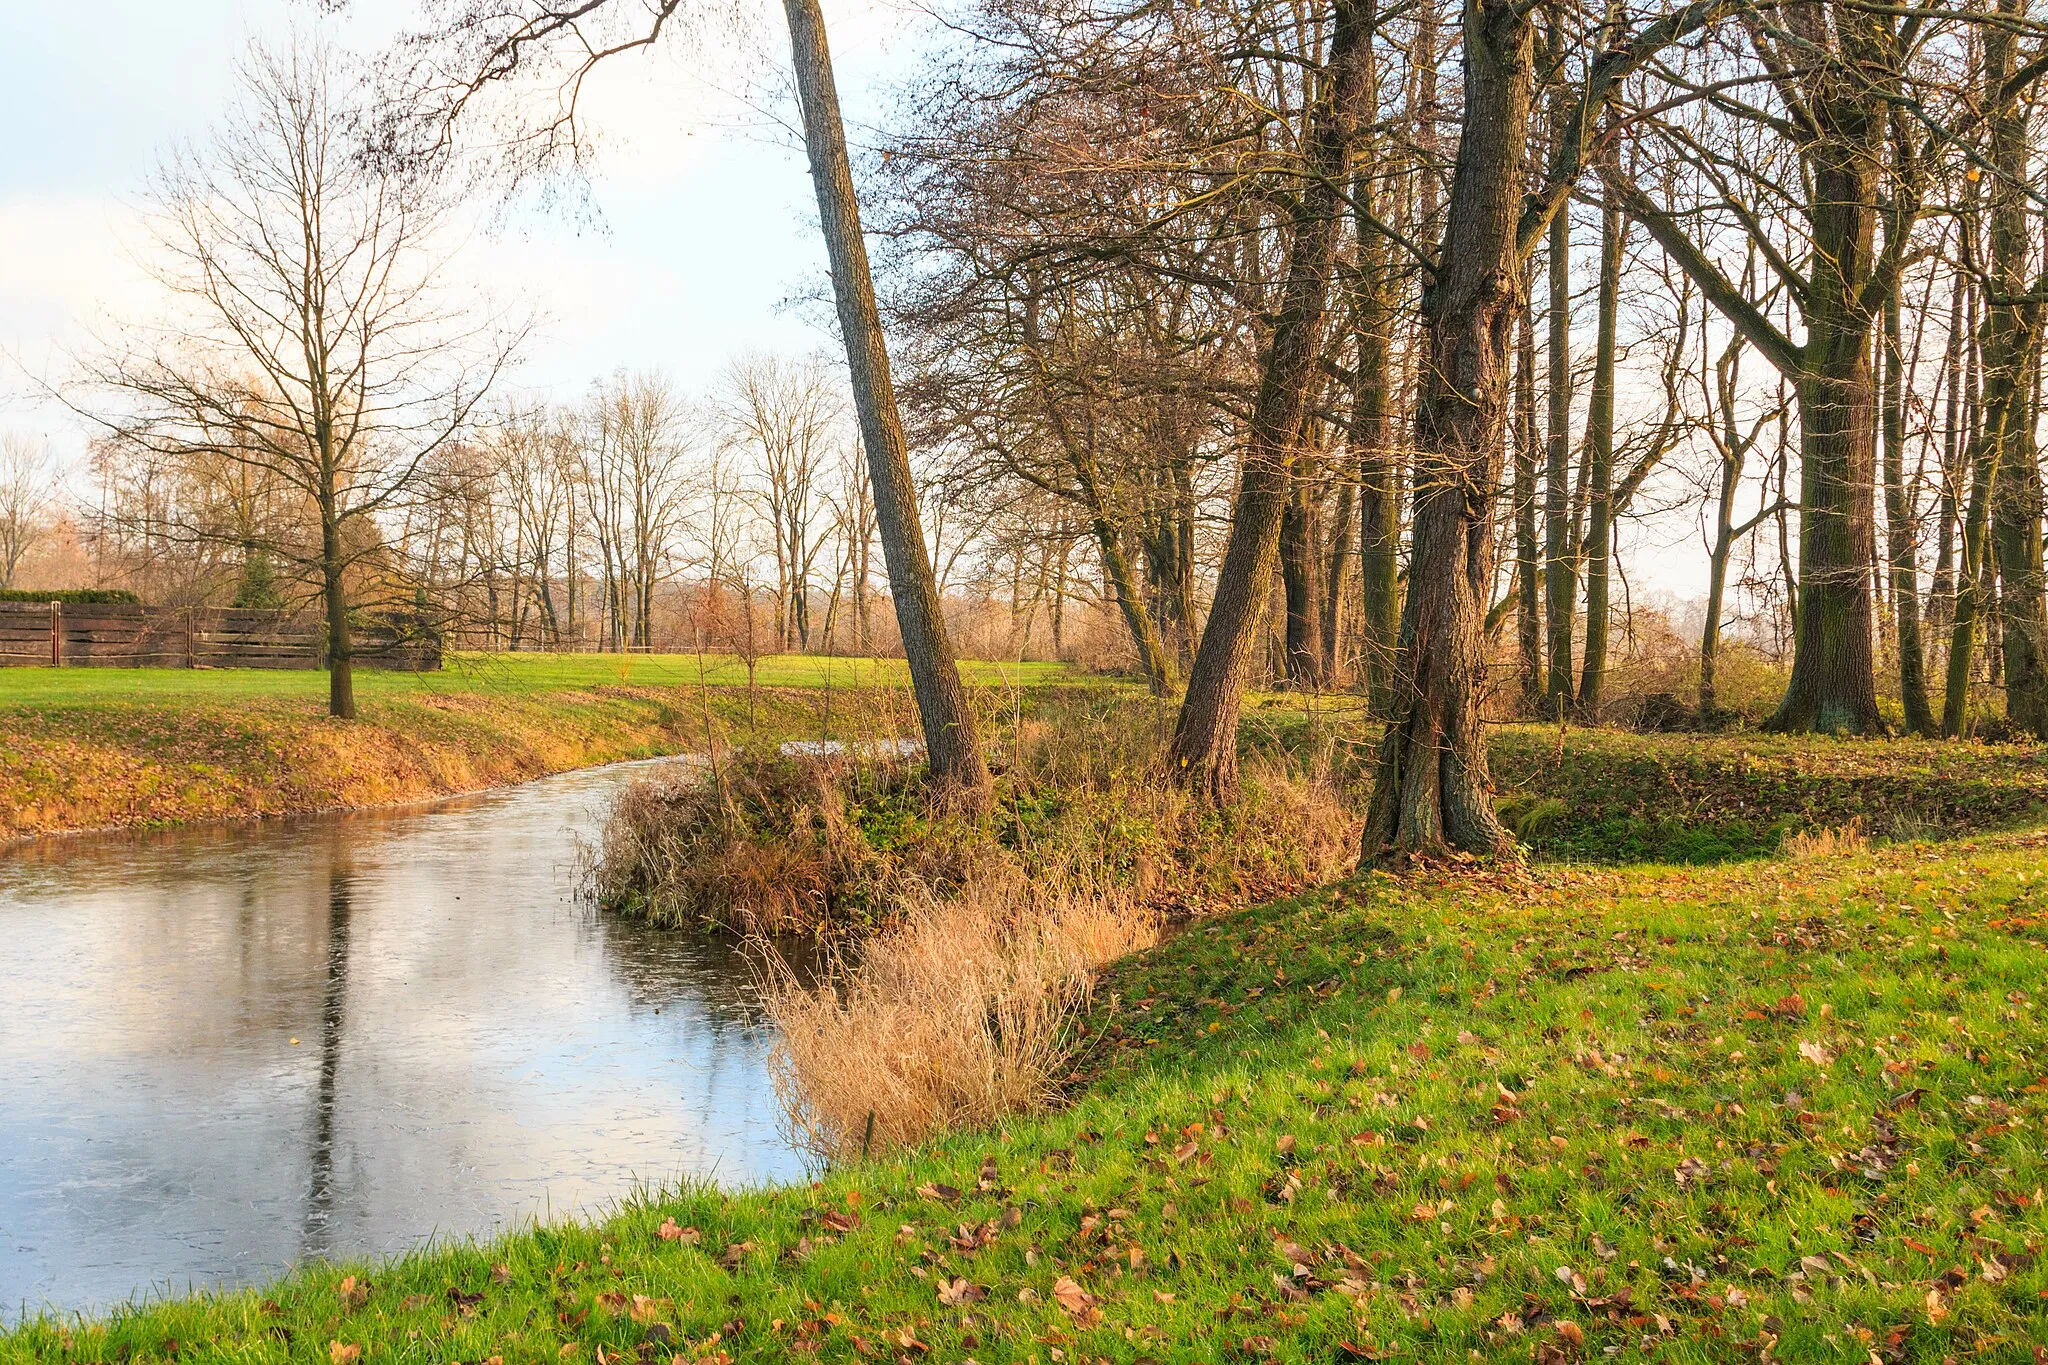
(30, 689)
(1784, 1110)
(95, 747)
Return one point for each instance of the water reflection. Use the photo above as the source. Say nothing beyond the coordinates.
(225, 1050)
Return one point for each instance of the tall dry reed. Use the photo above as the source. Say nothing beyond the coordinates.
(962, 1011)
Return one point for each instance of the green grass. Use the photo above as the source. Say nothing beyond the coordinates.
(513, 674)
(1789, 1110)
(1615, 797)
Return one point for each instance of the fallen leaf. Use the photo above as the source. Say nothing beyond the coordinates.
(953, 1293)
(344, 1353)
(1079, 1303)
(1816, 1053)
(669, 1232)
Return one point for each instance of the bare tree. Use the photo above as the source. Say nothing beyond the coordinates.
(785, 414)
(638, 432)
(28, 494)
(308, 336)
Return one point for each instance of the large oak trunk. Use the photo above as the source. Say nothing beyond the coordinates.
(1431, 787)
(1834, 677)
(952, 746)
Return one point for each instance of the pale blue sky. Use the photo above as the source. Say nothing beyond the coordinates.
(708, 224)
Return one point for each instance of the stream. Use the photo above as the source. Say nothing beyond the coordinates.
(227, 1050)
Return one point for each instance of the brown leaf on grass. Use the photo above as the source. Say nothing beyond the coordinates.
(945, 1194)
(1817, 1053)
(1571, 1332)
(648, 1310)
(1079, 1303)
(1790, 1007)
(839, 1222)
(735, 1252)
(1690, 1172)
(954, 1293)
(502, 1274)
(669, 1232)
(344, 1353)
(353, 1293)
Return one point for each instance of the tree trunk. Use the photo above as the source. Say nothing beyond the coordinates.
(1379, 512)
(1600, 464)
(1338, 557)
(1301, 572)
(1431, 787)
(1528, 565)
(1560, 571)
(1833, 688)
(1204, 751)
(2010, 359)
(952, 746)
(1899, 529)
(1717, 582)
(341, 682)
(1130, 603)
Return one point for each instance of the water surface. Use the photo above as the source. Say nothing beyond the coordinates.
(227, 1050)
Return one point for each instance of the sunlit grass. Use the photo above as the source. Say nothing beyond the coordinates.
(510, 674)
(1767, 1110)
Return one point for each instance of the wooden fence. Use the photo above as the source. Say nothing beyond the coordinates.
(126, 635)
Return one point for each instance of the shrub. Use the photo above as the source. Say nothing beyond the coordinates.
(72, 597)
(762, 844)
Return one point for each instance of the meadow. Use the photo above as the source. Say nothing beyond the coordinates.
(88, 748)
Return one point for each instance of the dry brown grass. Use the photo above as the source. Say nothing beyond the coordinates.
(982, 933)
(1823, 843)
(961, 1012)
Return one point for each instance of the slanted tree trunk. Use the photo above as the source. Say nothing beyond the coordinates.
(1600, 464)
(952, 747)
(1204, 750)
(1431, 785)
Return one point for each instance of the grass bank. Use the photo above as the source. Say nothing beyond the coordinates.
(1788, 1109)
(87, 748)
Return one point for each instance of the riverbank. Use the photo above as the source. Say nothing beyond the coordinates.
(1787, 1108)
(100, 748)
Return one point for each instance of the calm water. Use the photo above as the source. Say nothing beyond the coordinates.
(227, 1050)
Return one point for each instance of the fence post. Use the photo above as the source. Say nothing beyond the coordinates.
(189, 661)
(56, 634)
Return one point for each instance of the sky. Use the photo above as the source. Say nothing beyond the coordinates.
(706, 231)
